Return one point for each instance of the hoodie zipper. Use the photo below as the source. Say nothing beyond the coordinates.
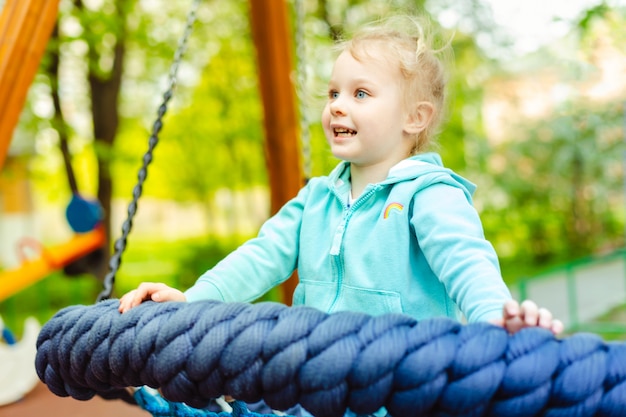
(335, 250)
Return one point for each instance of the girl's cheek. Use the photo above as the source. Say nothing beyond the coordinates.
(326, 118)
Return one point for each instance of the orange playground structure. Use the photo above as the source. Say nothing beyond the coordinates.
(48, 260)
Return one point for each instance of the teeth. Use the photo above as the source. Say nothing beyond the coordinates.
(344, 131)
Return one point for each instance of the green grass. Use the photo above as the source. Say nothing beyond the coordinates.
(45, 298)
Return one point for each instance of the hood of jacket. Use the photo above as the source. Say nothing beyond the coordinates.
(426, 166)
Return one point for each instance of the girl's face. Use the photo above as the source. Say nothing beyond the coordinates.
(365, 118)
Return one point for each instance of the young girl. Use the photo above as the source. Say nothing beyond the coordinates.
(390, 230)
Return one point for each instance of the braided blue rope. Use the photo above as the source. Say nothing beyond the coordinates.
(329, 362)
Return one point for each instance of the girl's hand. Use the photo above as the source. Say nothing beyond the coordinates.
(149, 291)
(517, 316)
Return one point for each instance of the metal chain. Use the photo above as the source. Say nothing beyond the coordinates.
(120, 243)
(301, 69)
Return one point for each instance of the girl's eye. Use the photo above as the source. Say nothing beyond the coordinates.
(333, 94)
(361, 94)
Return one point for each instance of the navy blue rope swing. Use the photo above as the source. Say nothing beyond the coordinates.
(194, 352)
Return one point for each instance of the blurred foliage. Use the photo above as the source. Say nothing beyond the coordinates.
(557, 185)
(557, 182)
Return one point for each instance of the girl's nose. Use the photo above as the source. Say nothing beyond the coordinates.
(337, 107)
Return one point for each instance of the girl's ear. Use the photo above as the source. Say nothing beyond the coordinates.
(419, 119)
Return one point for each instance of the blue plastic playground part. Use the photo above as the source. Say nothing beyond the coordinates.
(83, 215)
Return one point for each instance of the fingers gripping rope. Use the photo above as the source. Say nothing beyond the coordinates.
(328, 362)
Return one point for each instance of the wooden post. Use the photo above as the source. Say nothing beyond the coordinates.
(25, 27)
(272, 38)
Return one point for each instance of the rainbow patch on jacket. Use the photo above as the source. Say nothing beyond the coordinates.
(392, 207)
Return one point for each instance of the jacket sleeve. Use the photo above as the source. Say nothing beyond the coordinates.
(451, 236)
(259, 264)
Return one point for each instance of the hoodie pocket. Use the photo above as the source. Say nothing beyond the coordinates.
(321, 295)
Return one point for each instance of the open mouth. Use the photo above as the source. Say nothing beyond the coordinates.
(343, 132)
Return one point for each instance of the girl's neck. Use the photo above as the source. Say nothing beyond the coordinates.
(361, 176)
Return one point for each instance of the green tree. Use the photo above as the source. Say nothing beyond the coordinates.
(216, 140)
(561, 185)
(557, 183)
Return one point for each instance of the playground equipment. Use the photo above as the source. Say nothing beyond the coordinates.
(17, 375)
(25, 27)
(328, 362)
(76, 255)
(49, 259)
(577, 292)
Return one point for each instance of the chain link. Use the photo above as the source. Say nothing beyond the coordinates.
(120, 243)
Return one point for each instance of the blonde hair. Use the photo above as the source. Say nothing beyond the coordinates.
(409, 40)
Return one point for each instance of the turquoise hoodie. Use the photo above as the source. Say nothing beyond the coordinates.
(411, 244)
